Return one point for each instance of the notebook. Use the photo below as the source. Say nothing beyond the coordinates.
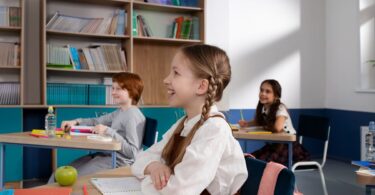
(118, 185)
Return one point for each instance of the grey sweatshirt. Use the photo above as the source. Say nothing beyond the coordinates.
(126, 127)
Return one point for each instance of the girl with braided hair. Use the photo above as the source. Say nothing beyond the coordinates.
(198, 154)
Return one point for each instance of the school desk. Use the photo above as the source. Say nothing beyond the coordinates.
(284, 138)
(367, 180)
(85, 180)
(76, 142)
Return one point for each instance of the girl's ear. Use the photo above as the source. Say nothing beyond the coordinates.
(202, 87)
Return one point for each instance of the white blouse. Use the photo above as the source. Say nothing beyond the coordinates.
(288, 125)
(214, 160)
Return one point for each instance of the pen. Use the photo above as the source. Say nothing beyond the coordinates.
(241, 114)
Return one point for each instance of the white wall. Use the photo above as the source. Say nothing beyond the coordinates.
(343, 58)
(282, 40)
(217, 33)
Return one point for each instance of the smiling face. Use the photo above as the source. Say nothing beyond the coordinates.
(266, 94)
(120, 96)
(183, 87)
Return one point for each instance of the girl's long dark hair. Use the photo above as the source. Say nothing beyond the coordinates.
(268, 120)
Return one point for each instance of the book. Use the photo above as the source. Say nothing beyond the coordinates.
(99, 138)
(9, 93)
(195, 28)
(42, 132)
(44, 191)
(67, 23)
(186, 28)
(121, 23)
(74, 57)
(82, 129)
(117, 186)
(135, 25)
(179, 22)
(366, 164)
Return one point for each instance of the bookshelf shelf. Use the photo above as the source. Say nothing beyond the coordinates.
(10, 28)
(53, 32)
(82, 71)
(10, 67)
(159, 39)
(161, 7)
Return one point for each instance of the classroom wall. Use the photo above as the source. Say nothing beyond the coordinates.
(343, 58)
(283, 40)
(217, 33)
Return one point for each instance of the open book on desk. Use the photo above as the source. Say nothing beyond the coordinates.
(118, 185)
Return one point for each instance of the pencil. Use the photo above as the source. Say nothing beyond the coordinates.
(85, 190)
(242, 118)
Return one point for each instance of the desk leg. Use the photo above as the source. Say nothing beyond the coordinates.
(368, 190)
(113, 159)
(290, 155)
(2, 160)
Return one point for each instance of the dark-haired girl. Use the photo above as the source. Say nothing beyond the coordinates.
(273, 115)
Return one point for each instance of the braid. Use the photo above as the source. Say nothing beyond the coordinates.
(210, 98)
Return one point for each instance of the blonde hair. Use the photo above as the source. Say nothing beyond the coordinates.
(207, 62)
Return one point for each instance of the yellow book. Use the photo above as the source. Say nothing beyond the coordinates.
(259, 132)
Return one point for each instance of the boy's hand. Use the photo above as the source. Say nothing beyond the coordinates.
(100, 129)
(67, 125)
(243, 123)
(159, 173)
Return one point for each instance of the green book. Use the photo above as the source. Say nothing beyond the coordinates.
(176, 2)
(62, 66)
(134, 29)
(186, 29)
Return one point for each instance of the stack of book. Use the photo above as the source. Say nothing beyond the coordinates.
(107, 57)
(10, 16)
(97, 95)
(140, 26)
(76, 94)
(9, 54)
(365, 167)
(9, 93)
(191, 3)
(107, 81)
(185, 28)
(114, 25)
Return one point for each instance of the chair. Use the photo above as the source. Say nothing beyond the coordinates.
(151, 134)
(317, 128)
(284, 185)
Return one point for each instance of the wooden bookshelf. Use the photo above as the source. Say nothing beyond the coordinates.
(143, 54)
(53, 32)
(17, 33)
(10, 28)
(160, 7)
(81, 71)
(165, 40)
(10, 67)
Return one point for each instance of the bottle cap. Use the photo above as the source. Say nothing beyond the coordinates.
(50, 109)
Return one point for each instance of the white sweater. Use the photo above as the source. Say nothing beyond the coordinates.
(213, 161)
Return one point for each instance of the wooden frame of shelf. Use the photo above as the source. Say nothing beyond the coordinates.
(142, 53)
(53, 32)
(82, 71)
(161, 7)
(21, 31)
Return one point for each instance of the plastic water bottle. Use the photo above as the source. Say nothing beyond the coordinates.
(371, 149)
(50, 123)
